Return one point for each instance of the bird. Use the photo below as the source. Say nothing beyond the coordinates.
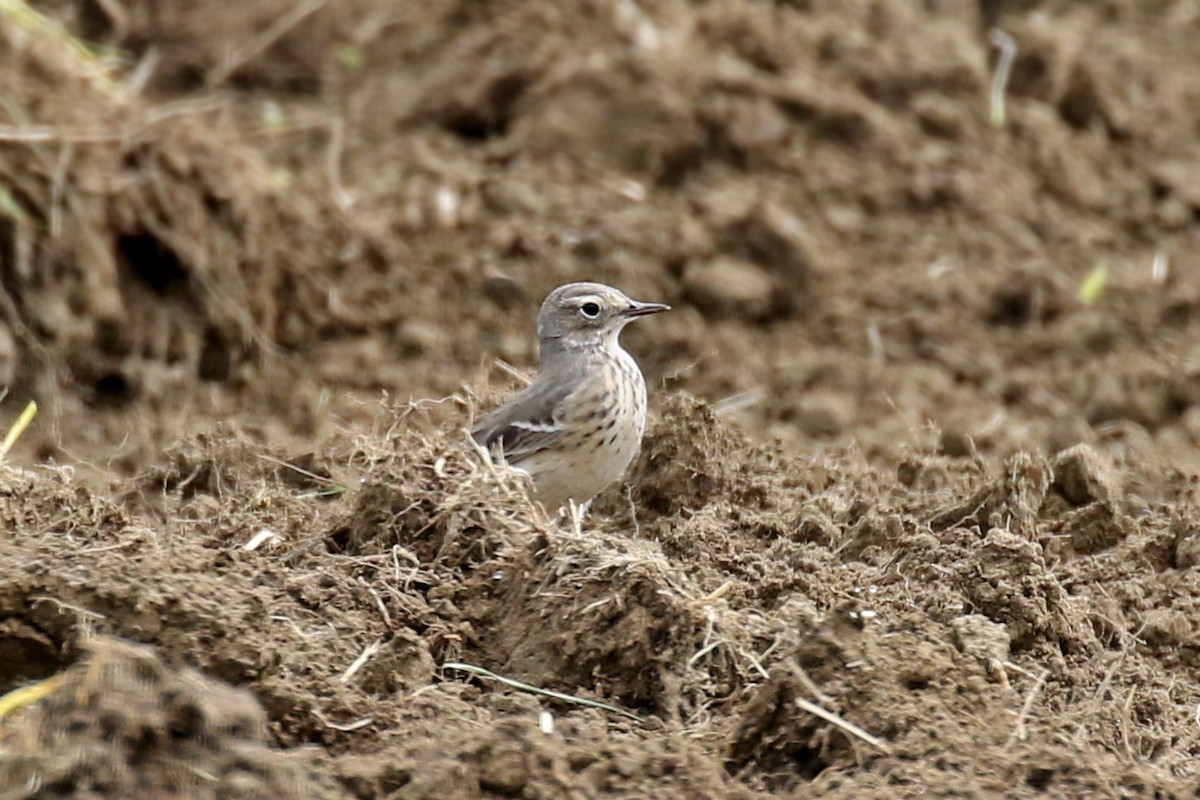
(576, 428)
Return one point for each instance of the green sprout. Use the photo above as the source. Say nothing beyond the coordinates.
(1093, 285)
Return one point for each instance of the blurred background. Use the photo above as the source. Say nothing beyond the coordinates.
(273, 212)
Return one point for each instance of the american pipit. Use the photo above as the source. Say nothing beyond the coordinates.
(579, 424)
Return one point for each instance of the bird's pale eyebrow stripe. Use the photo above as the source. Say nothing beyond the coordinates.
(538, 427)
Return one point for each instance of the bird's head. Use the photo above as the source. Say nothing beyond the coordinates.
(585, 314)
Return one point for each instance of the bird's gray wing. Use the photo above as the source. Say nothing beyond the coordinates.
(526, 424)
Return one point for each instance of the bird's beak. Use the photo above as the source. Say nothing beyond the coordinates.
(637, 309)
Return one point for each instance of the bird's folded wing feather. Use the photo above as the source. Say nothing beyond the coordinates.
(526, 424)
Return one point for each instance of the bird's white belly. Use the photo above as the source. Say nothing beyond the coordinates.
(597, 451)
(582, 472)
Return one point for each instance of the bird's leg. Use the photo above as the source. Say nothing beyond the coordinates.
(576, 512)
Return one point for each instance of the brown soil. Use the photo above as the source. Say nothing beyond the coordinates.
(258, 263)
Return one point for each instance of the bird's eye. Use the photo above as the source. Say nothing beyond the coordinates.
(590, 310)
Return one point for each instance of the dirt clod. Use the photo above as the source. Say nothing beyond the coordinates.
(123, 722)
